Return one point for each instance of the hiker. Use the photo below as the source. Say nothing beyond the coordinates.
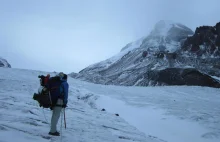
(59, 103)
(53, 94)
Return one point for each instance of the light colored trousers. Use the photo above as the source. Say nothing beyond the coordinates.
(56, 115)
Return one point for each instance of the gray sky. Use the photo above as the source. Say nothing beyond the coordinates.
(69, 35)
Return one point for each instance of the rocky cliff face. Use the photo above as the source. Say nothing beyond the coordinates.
(205, 41)
(4, 63)
(203, 49)
(170, 47)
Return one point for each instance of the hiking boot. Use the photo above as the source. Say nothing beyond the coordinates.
(54, 134)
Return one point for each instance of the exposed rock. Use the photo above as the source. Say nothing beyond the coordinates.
(1, 64)
(217, 42)
(179, 76)
(171, 55)
(144, 54)
(160, 55)
(4, 63)
(204, 41)
(217, 26)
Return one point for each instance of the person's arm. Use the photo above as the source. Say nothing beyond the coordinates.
(65, 93)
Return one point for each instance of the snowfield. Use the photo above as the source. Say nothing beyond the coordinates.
(146, 114)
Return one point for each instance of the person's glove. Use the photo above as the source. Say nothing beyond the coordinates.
(35, 96)
(64, 106)
(51, 108)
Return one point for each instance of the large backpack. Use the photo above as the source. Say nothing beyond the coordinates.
(54, 86)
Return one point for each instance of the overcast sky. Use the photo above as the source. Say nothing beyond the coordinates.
(69, 35)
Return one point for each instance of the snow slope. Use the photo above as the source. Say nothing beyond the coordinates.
(22, 118)
(106, 63)
(146, 114)
(173, 114)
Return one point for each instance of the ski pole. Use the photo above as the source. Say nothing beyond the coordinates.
(61, 125)
(64, 119)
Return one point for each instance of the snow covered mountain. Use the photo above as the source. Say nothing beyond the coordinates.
(147, 60)
(146, 114)
(166, 36)
(4, 63)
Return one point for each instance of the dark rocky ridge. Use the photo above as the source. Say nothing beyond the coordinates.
(205, 41)
(179, 76)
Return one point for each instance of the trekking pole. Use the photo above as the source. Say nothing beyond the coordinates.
(61, 125)
(64, 119)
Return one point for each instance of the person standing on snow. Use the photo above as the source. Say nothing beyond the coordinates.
(60, 104)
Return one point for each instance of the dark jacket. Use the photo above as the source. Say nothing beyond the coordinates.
(64, 90)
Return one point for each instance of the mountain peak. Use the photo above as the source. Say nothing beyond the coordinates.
(165, 28)
(162, 27)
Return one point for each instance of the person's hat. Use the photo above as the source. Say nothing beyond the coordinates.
(61, 74)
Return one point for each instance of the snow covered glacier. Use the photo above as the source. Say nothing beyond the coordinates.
(146, 114)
